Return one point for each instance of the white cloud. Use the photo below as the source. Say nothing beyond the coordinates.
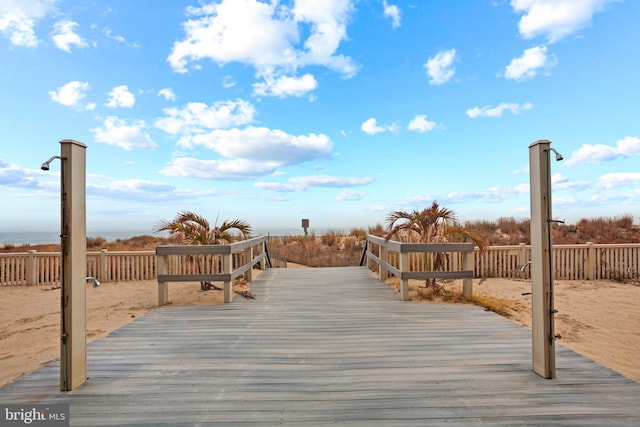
(351, 195)
(488, 195)
(107, 32)
(18, 19)
(440, 68)
(421, 124)
(529, 64)
(121, 97)
(285, 86)
(64, 36)
(278, 187)
(626, 147)
(14, 176)
(555, 19)
(392, 12)
(303, 183)
(487, 111)
(370, 126)
(228, 82)
(101, 186)
(330, 181)
(198, 117)
(562, 182)
(127, 136)
(611, 181)
(218, 169)
(70, 94)
(167, 93)
(275, 39)
(262, 145)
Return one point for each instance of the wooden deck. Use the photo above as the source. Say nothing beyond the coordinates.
(329, 347)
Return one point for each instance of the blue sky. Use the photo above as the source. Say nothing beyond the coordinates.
(339, 111)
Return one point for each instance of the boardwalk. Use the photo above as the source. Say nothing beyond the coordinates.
(329, 347)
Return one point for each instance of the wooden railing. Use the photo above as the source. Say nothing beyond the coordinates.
(590, 261)
(208, 263)
(44, 268)
(421, 261)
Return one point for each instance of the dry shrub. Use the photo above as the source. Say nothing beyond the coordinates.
(497, 305)
(449, 291)
(332, 249)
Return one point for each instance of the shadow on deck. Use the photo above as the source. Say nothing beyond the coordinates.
(330, 346)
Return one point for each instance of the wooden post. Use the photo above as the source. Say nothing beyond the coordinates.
(163, 287)
(32, 269)
(103, 268)
(404, 283)
(384, 256)
(542, 328)
(227, 267)
(248, 255)
(590, 262)
(263, 261)
(467, 283)
(73, 352)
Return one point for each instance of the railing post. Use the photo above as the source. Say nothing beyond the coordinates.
(467, 283)
(263, 261)
(227, 266)
(32, 269)
(163, 287)
(404, 283)
(103, 268)
(384, 256)
(590, 262)
(522, 254)
(248, 255)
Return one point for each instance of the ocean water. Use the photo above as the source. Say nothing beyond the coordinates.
(44, 237)
(40, 237)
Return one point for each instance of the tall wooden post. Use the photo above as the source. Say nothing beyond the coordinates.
(227, 267)
(542, 310)
(468, 264)
(73, 345)
(404, 283)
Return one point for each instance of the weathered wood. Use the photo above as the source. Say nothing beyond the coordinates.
(330, 347)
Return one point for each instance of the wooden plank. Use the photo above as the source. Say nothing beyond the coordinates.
(329, 346)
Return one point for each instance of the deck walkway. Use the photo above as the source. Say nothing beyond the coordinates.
(329, 347)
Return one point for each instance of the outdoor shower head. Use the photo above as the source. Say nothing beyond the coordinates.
(523, 267)
(95, 281)
(45, 165)
(558, 155)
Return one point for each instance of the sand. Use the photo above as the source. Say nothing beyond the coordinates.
(600, 320)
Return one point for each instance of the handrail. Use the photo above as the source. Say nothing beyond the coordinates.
(229, 272)
(401, 269)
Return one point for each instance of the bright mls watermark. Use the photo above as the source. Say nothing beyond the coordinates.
(56, 415)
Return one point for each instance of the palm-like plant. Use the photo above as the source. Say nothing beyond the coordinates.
(434, 224)
(192, 229)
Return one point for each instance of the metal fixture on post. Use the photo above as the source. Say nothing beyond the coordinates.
(95, 282)
(63, 277)
(543, 311)
(305, 226)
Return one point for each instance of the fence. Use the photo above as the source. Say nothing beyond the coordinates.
(208, 263)
(590, 261)
(421, 261)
